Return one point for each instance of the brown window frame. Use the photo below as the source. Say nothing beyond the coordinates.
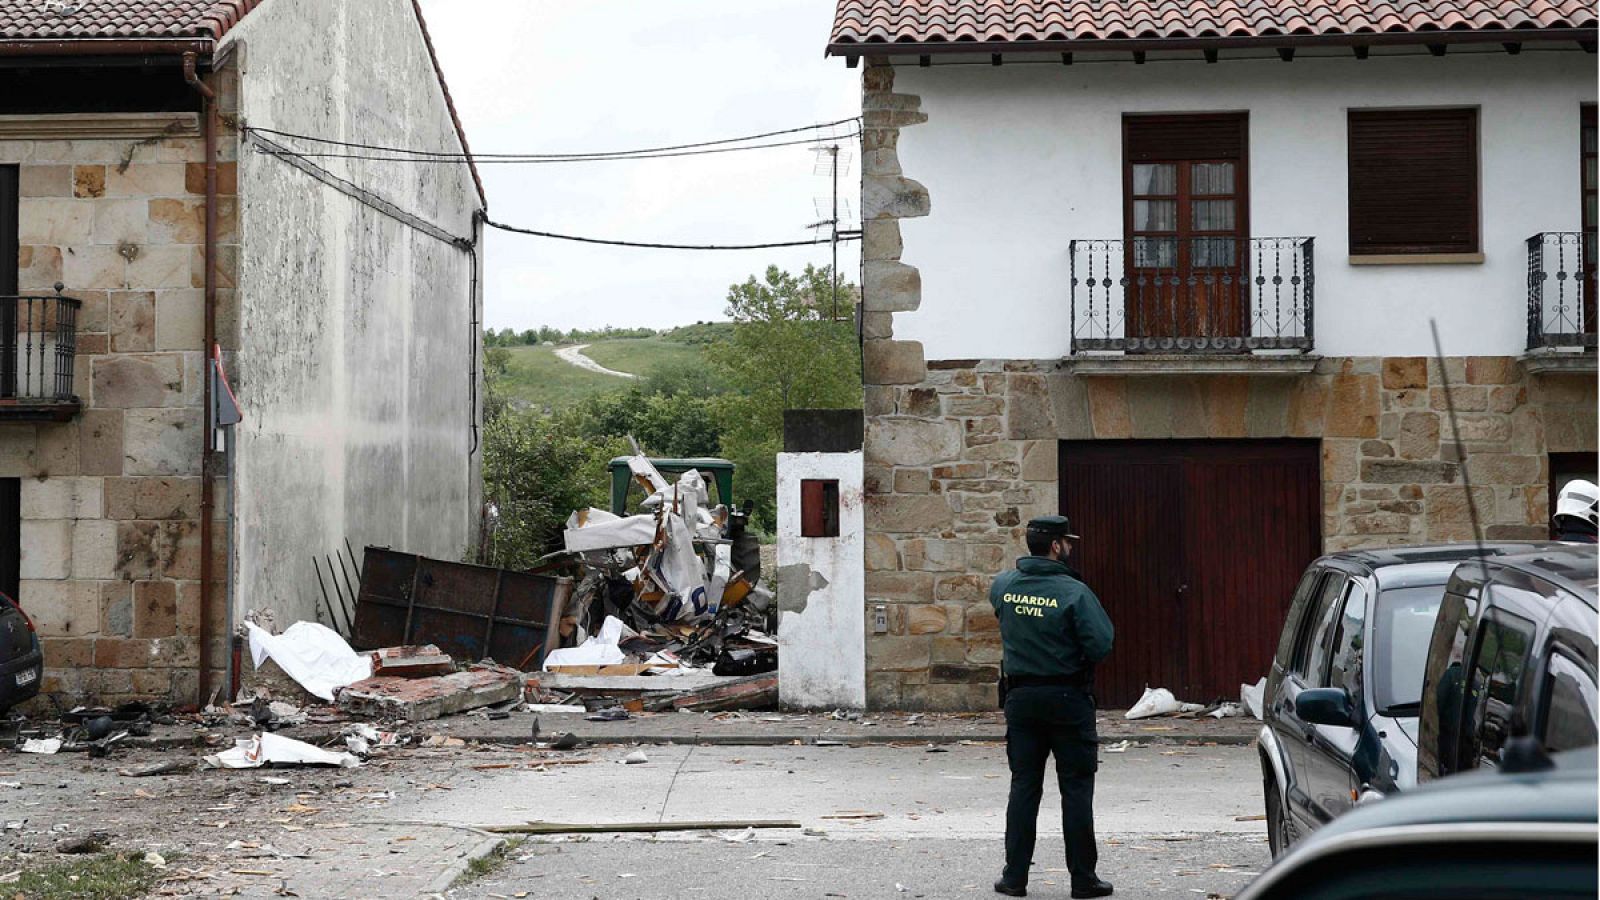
(1471, 241)
(1182, 150)
(1588, 154)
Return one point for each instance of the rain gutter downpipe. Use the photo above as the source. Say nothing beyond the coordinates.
(208, 634)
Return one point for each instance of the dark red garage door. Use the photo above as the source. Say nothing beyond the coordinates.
(1194, 548)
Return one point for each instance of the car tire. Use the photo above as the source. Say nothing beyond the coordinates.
(1277, 826)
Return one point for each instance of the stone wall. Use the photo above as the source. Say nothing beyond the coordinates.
(958, 463)
(111, 499)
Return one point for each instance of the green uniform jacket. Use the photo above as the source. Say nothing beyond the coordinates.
(1050, 622)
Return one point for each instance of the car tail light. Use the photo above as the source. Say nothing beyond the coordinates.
(18, 607)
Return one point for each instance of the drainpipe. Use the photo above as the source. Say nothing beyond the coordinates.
(207, 501)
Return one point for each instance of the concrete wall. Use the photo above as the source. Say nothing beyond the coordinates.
(821, 621)
(355, 343)
(111, 498)
(1022, 159)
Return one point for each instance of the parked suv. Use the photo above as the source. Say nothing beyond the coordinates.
(21, 662)
(1511, 665)
(1342, 697)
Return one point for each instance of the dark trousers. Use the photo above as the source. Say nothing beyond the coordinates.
(1041, 721)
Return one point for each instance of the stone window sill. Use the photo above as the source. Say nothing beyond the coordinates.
(1151, 364)
(1418, 259)
(1553, 363)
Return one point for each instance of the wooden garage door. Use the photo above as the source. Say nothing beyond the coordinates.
(1194, 548)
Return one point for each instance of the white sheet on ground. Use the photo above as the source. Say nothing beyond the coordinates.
(599, 650)
(258, 750)
(1254, 696)
(1159, 702)
(313, 655)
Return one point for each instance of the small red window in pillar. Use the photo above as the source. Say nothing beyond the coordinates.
(819, 507)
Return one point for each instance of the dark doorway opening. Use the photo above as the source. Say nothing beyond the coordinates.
(1194, 548)
(11, 537)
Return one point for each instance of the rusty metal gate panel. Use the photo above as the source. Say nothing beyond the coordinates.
(470, 612)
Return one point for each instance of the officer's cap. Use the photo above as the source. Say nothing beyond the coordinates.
(1052, 526)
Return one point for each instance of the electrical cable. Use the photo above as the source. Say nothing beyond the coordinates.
(552, 156)
(373, 201)
(659, 246)
(543, 160)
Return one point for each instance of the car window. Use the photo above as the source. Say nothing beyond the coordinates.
(1402, 628)
(1349, 642)
(1312, 654)
(1569, 717)
(1499, 659)
(1443, 681)
(1294, 623)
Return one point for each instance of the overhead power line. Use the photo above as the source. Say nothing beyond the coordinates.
(531, 161)
(373, 201)
(660, 246)
(555, 156)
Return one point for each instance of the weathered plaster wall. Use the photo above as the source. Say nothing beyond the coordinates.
(355, 343)
(821, 618)
(111, 499)
(1024, 158)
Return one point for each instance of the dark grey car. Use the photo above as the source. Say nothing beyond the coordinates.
(1343, 696)
(21, 662)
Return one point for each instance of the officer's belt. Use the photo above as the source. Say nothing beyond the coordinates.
(1077, 679)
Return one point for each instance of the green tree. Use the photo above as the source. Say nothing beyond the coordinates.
(784, 351)
(537, 470)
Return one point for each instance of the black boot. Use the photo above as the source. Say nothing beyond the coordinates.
(1096, 888)
(1000, 887)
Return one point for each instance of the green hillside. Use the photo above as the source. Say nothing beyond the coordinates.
(536, 378)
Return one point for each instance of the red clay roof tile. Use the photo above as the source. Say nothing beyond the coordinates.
(120, 19)
(1020, 21)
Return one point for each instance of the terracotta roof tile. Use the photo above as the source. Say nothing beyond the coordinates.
(1015, 21)
(120, 19)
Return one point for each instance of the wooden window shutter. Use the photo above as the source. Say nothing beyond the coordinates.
(1169, 138)
(1413, 181)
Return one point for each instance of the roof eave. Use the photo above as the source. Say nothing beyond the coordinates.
(77, 46)
(1582, 36)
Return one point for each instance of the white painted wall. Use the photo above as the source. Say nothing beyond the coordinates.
(1019, 160)
(822, 647)
(355, 345)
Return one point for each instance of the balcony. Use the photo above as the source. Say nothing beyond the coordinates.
(38, 345)
(1561, 302)
(1193, 304)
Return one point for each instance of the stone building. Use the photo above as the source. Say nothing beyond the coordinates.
(1172, 269)
(161, 210)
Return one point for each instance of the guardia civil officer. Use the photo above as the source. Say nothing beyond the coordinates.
(1053, 631)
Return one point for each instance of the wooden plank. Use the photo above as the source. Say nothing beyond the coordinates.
(617, 827)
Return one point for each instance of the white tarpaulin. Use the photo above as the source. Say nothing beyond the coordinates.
(254, 752)
(313, 655)
(1159, 702)
(599, 650)
(611, 534)
(1253, 696)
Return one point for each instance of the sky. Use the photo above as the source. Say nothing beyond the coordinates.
(565, 76)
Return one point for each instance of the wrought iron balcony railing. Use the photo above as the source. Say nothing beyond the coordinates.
(1561, 291)
(1195, 294)
(38, 345)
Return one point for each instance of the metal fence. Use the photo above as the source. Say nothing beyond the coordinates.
(1561, 279)
(1196, 294)
(38, 344)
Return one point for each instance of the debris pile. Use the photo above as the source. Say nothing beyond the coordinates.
(673, 590)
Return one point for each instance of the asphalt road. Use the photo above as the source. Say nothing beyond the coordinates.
(878, 822)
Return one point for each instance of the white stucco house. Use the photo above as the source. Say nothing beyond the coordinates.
(1172, 269)
(172, 192)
